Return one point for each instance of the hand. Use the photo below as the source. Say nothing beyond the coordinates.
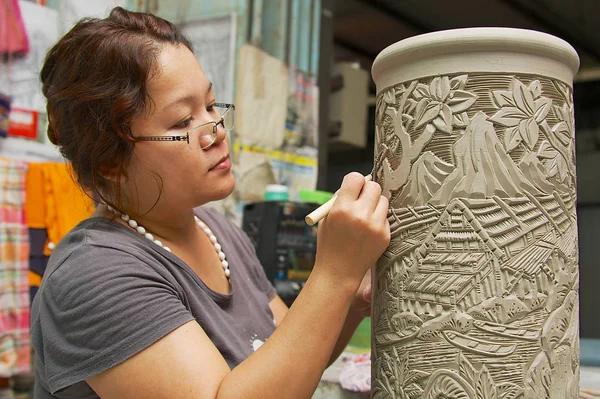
(355, 232)
(361, 304)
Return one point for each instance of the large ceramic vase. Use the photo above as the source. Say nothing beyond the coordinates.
(477, 295)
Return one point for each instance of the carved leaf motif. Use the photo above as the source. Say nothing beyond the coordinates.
(426, 112)
(444, 120)
(546, 151)
(389, 96)
(562, 133)
(461, 101)
(503, 98)
(523, 97)
(542, 107)
(458, 82)
(461, 120)
(555, 164)
(512, 138)
(421, 91)
(508, 390)
(413, 391)
(485, 388)
(536, 88)
(508, 116)
(414, 376)
(530, 132)
(410, 106)
(465, 368)
(439, 88)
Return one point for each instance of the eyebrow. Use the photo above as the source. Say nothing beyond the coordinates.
(186, 99)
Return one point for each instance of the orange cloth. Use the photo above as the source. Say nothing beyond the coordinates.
(54, 201)
(35, 280)
(35, 207)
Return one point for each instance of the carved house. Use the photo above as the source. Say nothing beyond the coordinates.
(478, 249)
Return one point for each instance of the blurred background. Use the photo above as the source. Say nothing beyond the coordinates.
(298, 72)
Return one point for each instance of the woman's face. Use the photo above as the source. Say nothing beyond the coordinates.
(182, 98)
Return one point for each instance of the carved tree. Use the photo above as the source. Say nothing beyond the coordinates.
(439, 106)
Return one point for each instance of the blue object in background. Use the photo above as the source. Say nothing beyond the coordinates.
(589, 352)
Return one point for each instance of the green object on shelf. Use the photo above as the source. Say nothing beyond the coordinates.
(361, 340)
(276, 192)
(316, 196)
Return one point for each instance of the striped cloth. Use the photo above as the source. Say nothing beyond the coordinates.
(15, 349)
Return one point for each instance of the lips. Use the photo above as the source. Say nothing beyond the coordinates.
(223, 163)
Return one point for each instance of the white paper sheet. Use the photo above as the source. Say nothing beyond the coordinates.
(261, 98)
(71, 11)
(213, 40)
(20, 77)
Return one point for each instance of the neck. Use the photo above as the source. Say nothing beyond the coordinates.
(167, 226)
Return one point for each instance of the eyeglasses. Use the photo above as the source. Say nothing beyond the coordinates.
(205, 134)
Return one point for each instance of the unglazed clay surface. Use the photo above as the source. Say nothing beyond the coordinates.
(476, 296)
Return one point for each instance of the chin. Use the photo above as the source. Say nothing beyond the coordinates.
(223, 188)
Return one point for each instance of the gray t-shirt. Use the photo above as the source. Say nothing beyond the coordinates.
(108, 293)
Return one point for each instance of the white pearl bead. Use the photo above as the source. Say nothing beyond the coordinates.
(110, 208)
(51, 245)
(140, 229)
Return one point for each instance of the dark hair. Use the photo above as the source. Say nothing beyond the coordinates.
(95, 79)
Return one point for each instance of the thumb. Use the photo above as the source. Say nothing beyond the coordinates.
(367, 293)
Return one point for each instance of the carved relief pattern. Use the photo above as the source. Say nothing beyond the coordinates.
(476, 296)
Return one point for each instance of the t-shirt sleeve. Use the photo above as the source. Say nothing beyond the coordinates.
(99, 308)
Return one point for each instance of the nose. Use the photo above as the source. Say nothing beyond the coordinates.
(220, 134)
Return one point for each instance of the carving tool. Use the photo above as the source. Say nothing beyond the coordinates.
(322, 211)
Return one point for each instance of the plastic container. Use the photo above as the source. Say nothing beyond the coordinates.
(276, 192)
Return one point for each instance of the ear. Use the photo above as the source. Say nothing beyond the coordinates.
(114, 175)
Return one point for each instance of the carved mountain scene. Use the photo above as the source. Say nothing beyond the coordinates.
(426, 177)
(534, 170)
(483, 169)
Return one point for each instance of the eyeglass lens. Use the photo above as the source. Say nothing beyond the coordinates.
(205, 135)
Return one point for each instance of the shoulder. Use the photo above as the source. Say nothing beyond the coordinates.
(99, 252)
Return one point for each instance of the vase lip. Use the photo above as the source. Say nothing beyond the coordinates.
(472, 40)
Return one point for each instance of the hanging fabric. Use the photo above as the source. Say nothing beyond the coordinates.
(55, 201)
(14, 267)
(13, 37)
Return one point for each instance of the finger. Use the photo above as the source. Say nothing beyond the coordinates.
(369, 195)
(367, 293)
(381, 210)
(351, 187)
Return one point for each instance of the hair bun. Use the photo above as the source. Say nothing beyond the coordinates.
(52, 135)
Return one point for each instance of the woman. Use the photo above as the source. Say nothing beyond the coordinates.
(148, 299)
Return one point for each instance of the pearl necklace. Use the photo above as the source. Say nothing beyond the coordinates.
(142, 231)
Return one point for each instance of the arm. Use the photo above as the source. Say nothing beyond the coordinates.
(185, 363)
(360, 308)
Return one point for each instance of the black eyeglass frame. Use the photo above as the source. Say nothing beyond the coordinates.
(186, 137)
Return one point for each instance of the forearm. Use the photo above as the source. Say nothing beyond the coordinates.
(294, 357)
(352, 321)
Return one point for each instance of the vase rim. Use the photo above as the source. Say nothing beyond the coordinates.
(472, 40)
